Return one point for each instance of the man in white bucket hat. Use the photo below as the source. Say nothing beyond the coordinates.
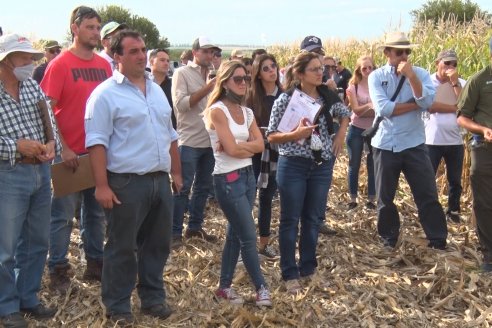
(400, 93)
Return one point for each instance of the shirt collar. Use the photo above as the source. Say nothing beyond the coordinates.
(120, 78)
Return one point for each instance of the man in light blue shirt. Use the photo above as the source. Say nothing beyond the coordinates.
(133, 148)
(398, 145)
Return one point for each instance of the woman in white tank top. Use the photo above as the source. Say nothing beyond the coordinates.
(235, 138)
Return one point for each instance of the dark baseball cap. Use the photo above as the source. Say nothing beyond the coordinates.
(311, 43)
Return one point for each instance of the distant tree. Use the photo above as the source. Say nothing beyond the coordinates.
(148, 29)
(462, 11)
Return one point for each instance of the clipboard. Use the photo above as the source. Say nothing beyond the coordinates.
(300, 106)
(67, 181)
(445, 94)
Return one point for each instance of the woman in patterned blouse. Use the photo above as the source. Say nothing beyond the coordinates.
(304, 172)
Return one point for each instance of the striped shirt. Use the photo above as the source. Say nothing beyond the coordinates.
(21, 120)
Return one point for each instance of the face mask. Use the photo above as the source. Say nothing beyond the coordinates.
(233, 97)
(24, 72)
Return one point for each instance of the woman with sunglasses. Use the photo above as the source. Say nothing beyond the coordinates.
(305, 168)
(235, 138)
(362, 118)
(265, 88)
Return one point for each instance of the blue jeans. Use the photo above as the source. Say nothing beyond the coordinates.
(417, 168)
(139, 240)
(92, 221)
(303, 188)
(355, 146)
(265, 198)
(236, 198)
(197, 165)
(24, 230)
(453, 158)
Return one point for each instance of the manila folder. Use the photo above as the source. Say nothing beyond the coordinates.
(67, 180)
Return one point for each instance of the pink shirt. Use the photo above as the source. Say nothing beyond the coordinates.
(363, 98)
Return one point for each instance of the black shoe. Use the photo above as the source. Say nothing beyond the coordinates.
(352, 205)
(176, 242)
(437, 244)
(13, 320)
(453, 217)
(39, 312)
(200, 234)
(122, 319)
(161, 311)
(325, 230)
(370, 206)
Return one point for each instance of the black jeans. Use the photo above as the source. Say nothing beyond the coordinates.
(481, 185)
(417, 168)
(453, 158)
(139, 240)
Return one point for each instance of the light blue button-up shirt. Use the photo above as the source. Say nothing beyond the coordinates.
(135, 129)
(397, 133)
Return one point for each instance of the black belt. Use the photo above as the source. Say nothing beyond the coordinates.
(149, 174)
(28, 160)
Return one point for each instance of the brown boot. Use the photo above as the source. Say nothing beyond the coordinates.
(60, 277)
(93, 270)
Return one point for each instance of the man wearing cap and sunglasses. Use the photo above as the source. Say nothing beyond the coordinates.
(400, 92)
(191, 85)
(442, 132)
(51, 50)
(474, 114)
(107, 32)
(69, 80)
(28, 142)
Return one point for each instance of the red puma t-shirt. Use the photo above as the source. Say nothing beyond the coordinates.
(70, 80)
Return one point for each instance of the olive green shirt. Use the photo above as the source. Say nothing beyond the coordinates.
(475, 100)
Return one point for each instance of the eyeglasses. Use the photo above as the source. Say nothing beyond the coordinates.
(319, 69)
(54, 51)
(367, 68)
(330, 67)
(400, 52)
(239, 79)
(267, 68)
(450, 63)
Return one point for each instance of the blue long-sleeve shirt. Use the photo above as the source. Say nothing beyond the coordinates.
(397, 133)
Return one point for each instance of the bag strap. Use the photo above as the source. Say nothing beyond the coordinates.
(398, 88)
(397, 91)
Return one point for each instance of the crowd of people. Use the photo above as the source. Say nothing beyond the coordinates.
(226, 130)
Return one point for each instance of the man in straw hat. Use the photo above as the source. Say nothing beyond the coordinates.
(474, 114)
(26, 148)
(398, 145)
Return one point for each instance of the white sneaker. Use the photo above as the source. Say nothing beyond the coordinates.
(229, 295)
(263, 297)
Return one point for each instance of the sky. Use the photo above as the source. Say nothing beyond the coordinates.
(250, 22)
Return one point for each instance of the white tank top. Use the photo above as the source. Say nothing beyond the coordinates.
(223, 162)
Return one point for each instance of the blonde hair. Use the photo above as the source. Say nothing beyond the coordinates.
(225, 72)
(357, 77)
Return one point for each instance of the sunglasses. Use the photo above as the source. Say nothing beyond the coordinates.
(218, 54)
(400, 52)
(54, 51)
(330, 67)
(368, 68)
(450, 63)
(319, 69)
(83, 11)
(239, 79)
(267, 68)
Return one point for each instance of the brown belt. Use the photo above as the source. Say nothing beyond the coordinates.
(28, 160)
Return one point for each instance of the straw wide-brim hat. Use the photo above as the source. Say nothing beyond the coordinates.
(397, 40)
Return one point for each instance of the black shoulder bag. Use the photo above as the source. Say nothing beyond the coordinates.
(370, 132)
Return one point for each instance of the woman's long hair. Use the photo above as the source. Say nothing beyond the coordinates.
(357, 77)
(256, 92)
(224, 73)
(298, 66)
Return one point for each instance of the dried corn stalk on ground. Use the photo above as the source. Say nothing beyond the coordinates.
(358, 283)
